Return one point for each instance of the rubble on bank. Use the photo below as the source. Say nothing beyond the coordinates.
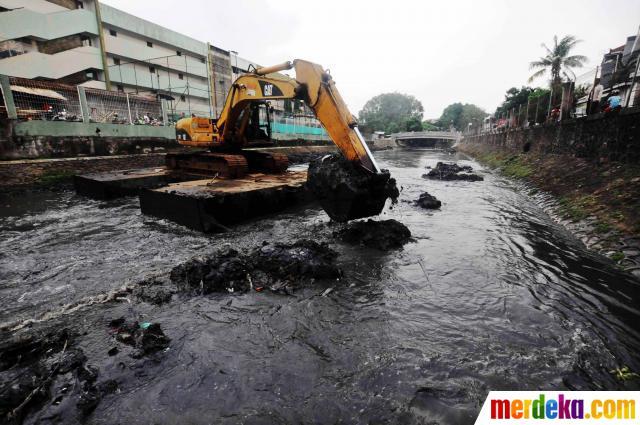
(383, 235)
(452, 171)
(267, 266)
(428, 201)
(346, 191)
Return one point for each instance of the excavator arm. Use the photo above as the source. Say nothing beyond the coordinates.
(313, 85)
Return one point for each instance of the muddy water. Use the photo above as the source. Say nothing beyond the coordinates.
(491, 295)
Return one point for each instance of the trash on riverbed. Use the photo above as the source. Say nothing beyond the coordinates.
(274, 266)
(147, 337)
(624, 373)
(346, 191)
(382, 235)
(428, 201)
(452, 171)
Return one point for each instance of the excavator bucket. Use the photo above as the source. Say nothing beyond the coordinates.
(346, 191)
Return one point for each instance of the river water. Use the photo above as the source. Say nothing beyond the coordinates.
(491, 295)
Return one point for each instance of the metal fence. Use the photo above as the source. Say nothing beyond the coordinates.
(42, 100)
(48, 101)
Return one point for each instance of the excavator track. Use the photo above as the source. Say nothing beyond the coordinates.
(209, 164)
(266, 162)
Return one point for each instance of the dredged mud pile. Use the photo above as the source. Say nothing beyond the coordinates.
(272, 266)
(452, 171)
(382, 235)
(428, 201)
(346, 191)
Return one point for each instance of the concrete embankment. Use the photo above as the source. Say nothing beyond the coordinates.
(592, 168)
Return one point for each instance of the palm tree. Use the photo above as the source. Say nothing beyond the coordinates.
(557, 61)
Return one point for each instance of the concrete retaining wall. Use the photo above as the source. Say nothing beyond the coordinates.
(59, 139)
(614, 137)
(28, 172)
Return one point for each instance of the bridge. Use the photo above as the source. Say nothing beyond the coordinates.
(428, 139)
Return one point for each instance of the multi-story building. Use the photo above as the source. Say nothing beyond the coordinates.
(91, 44)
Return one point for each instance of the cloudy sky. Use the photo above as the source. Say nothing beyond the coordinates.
(441, 52)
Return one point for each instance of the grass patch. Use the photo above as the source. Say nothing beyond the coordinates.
(510, 165)
(617, 256)
(603, 227)
(572, 209)
(52, 177)
(517, 169)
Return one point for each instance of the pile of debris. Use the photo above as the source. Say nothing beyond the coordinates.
(277, 266)
(347, 191)
(452, 171)
(382, 235)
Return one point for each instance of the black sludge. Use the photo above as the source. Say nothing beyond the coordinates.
(383, 235)
(452, 171)
(265, 266)
(346, 191)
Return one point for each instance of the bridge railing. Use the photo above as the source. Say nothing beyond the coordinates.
(450, 135)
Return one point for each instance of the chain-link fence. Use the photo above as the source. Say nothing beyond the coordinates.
(110, 107)
(48, 101)
(42, 100)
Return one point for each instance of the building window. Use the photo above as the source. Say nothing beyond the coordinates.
(116, 61)
(182, 98)
(113, 33)
(181, 77)
(120, 88)
(86, 41)
(152, 70)
(79, 5)
(178, 53)
(149, 44)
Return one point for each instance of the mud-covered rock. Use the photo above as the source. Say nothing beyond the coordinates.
(452, 171)
(382, 235)
(428, 201)
(229, 271)
(346, 191)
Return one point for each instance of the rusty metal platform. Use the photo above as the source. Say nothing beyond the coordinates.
(212, 204)
(115, 184)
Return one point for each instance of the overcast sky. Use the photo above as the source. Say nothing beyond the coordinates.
(441, 52)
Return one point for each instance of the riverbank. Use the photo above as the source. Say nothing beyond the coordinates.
(597, 201)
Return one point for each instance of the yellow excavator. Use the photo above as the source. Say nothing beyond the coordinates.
(239, 125)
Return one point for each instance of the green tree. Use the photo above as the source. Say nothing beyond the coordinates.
(460, 115)
(537, 93)
(427, 126)
(514, 98)
(392, 112)
(558, 61)
(413, 124)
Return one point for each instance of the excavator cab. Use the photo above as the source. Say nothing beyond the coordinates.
(258, 131)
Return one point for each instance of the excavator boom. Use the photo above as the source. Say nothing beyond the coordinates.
(312, 84)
